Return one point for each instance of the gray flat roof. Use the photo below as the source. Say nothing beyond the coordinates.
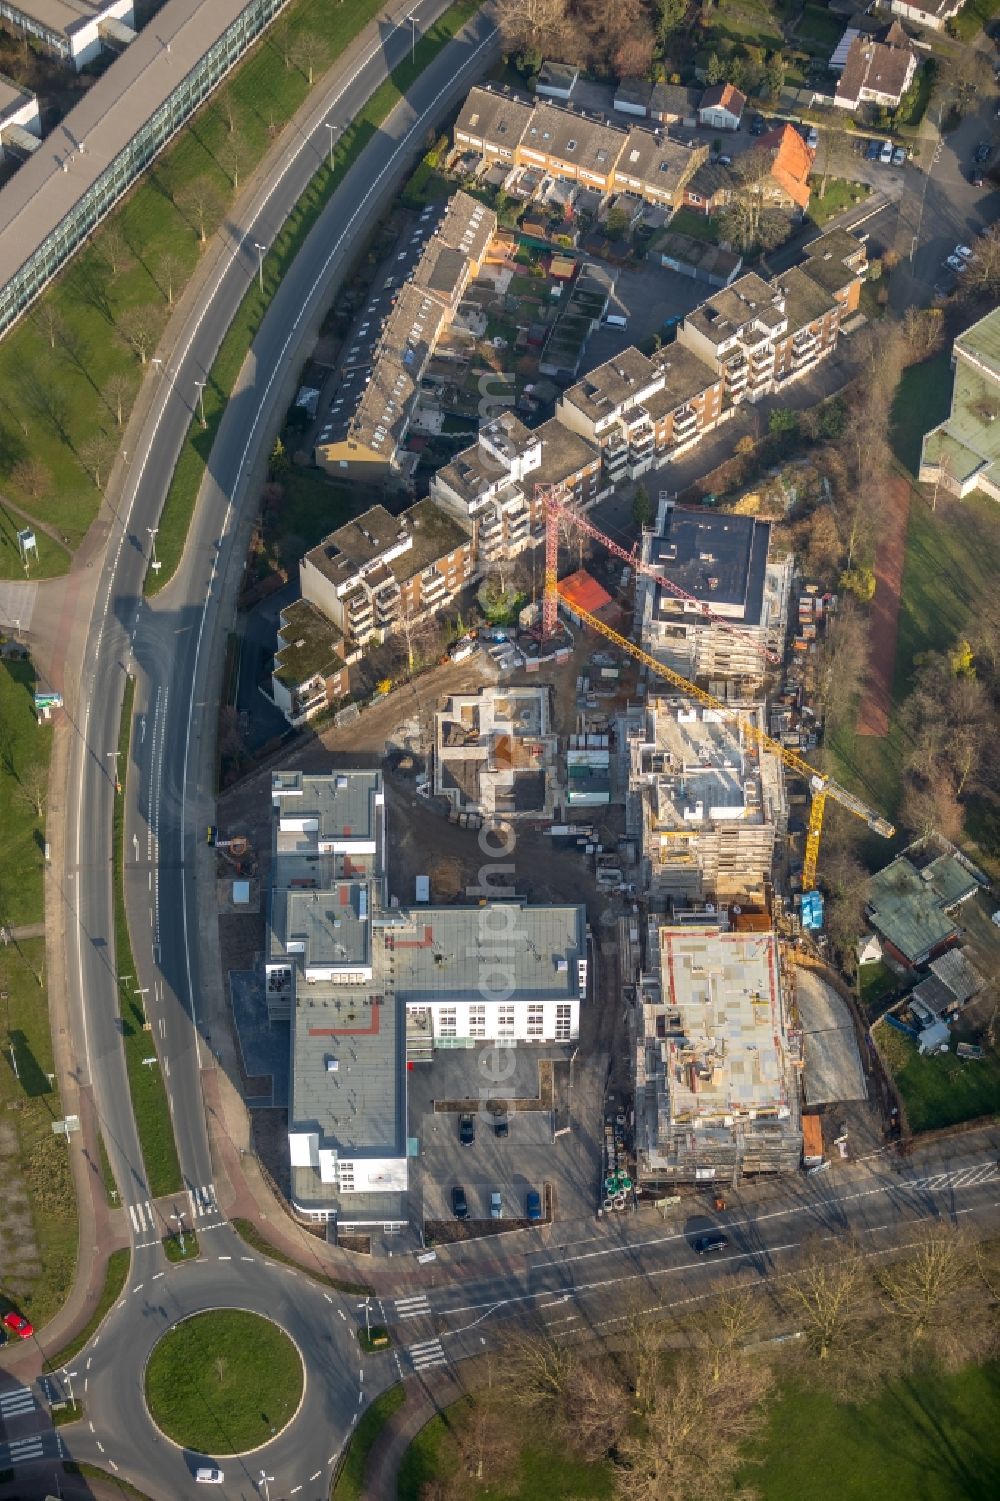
(720, 559)
(41, 194)
(342, 802)
(453, 951)
(12, 94)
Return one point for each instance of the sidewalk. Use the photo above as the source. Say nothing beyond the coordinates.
(426, 1396)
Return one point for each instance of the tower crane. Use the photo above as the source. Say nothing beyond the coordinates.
(556, 507)
(821, 786)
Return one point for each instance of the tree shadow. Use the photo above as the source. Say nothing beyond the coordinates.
(32, 1077)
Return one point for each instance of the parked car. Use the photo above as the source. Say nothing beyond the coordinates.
(533, 1204)
(872, 151)
(955, 263)
(496, 1206)
(18, 1324)
(899, 157)
(983, 151)
(885, 154)
(501, 1127)
(965, 251)
(209, 1475)
(812, 138)
(758, 125)
(976, 177)
(724, 160)
(711, 1242)
(459, 1203)
(467, 1130)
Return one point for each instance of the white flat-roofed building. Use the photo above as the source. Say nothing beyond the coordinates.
(716, 1087)
(710, 805)
(20, 120)
(75, 31)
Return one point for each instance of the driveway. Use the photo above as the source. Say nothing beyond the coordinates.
(833, 1069)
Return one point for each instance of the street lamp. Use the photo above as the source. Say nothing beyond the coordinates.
(260, 249)
(201, 401)
(368, 1328)
(180, 1228)
(114, 756)
(264, 1479)
(152, 530)
(413, 38)
(332, 127)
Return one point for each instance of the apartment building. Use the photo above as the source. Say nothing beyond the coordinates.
(309, 671)
(380, 574)
(368, 424)
(759, 335)
(708, 804)
(495, 753)
(723, 565)
(716, 1073)
(962, 453)
(639, 410)
(492, 488)
(575, 147)
(837, 262)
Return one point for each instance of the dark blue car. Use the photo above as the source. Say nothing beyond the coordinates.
(533, 1204)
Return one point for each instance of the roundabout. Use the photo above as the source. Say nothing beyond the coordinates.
(223, 1382)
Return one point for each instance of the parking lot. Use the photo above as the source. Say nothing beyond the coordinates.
(530, 1157)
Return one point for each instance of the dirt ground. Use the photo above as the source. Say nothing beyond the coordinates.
(876, 700)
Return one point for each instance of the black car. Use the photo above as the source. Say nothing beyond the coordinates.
(873, 151)
(758, 125)
(976, 177)
(501, 1128)
(711, 1242)
(983, 151)
(459, 1204)
(467, 1130)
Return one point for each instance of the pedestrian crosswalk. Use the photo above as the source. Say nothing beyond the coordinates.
(16, 1402)
(412, 1308)
(430, 1353)
(20, 1450)
(141, 1215)
(202, 1201)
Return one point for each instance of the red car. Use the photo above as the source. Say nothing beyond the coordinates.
(18, 1324)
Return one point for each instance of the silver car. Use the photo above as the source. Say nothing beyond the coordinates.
(496, 1206)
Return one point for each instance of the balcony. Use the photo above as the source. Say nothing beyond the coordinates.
(685, 423)
(491, 526)
(359, 610)
(762, 356)
(804, 343)
(432, 587)
(736, 376)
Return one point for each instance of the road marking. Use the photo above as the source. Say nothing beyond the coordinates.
(112, 1464)
(295, 1490)
(225, 1258)
(412, 1308)
(100, 1446)
(17, 1401)
(327, 1297)
(429, 1353)
(138, 1287)
(315, 1477)
(157, 1275)
(343, 1315)
(21, 1450)
(246, 1258)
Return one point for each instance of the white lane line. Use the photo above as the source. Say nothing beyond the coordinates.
(225, 1258)
(246, 1258)
(327, 1297)
(157, 1275)
(315, 1477)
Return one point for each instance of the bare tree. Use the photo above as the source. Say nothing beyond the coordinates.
(33, 786)
(49, 320)
(963, 76)
(117, 394)
(921, 1287)
(923, 333)
(840, 664)
(201, 203)
(97, 454)
(751, 217)
(308, 53)
(115, 247)
(228, 108)
(829, 1295)
(169, 274)
(232, 159)
(982, 275)
(531, 25)
(46, 401)
(139, 328)
(31, 477)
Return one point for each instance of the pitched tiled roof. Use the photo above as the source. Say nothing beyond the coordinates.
(791, 162)
(726, 95)
(875, 66)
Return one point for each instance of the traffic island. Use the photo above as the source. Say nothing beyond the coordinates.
(67, 1412)
(374, 1339)
(184, 1247)
(223, 1382)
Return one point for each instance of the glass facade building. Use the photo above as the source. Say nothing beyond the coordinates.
(178, 100)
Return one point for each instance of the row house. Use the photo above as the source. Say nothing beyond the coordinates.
(380, 573)
(575, 147)
(371, 414)
(493, 487)
(640, 410)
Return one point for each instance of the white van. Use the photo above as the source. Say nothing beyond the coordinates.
(615, 320)
(209, 1475)
(885, 155)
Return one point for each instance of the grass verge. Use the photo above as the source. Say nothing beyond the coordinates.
(373, 1340)
(349, 1481)
(223, 1382)
(38, 1218)
(149, 1095)
(182, 495)
(117, 1486)
(840, 195)
(72, 1412)
(248, 1232)
(115, 1277)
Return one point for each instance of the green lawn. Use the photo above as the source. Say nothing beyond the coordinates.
(350, 1482)
(115, 1277)
(840, 195)
(55, 377)
(179, 1249)
(543, 1475)
(927, 1438)
(922, 400)
(186, 481)
(818, 25)
(875, 982)
(222, 1382)
(38, 1225)
(149, 1095)
(699, 226)
(941, 1090)
(973, 17)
